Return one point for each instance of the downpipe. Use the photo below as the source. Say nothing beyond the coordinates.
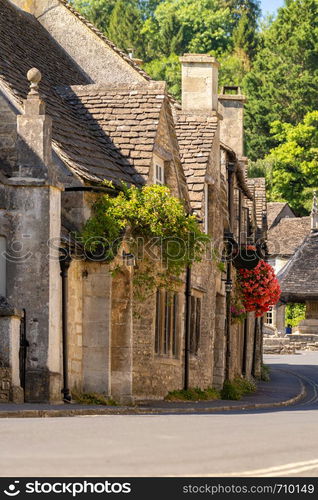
(65, 262)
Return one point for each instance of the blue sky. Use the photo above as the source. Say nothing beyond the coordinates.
(271, 6)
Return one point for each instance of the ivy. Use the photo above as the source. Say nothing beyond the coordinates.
(163, 238)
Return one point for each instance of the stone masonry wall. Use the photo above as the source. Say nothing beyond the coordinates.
(75, 325)
(8, 136)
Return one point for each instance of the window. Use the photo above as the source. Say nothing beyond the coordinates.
(167, 323)
(195, 325)
(159, 178)
(159, 171)
(3, 266)
(269, 316)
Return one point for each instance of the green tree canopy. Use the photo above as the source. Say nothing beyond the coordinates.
(96, 11)
(294, 173)
(283, 83)
(125, 25)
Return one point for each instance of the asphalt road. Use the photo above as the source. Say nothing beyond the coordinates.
(280, 442)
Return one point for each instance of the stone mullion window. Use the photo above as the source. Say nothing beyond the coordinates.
(167, 324)
(195, 324)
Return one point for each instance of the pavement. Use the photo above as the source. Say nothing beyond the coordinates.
(284, 388)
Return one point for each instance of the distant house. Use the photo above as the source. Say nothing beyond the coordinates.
(286, 232)
(299, 278)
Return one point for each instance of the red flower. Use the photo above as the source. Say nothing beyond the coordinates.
(260, 288)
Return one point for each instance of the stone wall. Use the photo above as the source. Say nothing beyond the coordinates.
(75, 324)
(10, 385)
(8, 135)
(96, 327)
(154, 375)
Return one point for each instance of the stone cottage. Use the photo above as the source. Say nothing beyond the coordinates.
(286, 233)
(299, 280)
(87, 112)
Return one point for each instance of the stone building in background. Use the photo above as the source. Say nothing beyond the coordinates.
(299, 281)
(286, 233)
(87, 112)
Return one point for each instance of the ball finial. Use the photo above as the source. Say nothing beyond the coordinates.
(34, 76)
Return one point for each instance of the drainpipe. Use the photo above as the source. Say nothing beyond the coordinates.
(65, 262)
(228, 283)
(187, 328)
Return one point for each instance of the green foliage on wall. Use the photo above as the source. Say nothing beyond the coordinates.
(161, 235)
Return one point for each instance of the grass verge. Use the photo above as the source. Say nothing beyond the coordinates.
(92, 398)
(193, 394)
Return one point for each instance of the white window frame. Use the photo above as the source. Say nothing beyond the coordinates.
(159, 171)
(270, 316)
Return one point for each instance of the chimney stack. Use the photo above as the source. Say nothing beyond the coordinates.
(231, 107)
(314, 214)
(199, 84)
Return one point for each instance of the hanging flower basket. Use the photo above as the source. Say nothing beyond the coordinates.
(260, 288)
(246, 257)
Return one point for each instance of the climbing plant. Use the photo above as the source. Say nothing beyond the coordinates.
(162, 237)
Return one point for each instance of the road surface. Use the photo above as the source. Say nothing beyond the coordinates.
(278, 442)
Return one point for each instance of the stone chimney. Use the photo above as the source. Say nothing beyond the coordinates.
(314, 214)
(199, 84)
(231, 107)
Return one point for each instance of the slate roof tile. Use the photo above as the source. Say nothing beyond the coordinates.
(299, 278)
(288, 235)
(131, 132)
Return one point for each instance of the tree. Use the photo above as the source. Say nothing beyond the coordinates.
(294, 174)
(148, 7)
(168, 69)
(206, 25)
(96, 11)
(245, 15)
(125, 25)
(283, 83)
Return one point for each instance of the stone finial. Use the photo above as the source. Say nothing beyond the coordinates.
(34, 76)
(314, 213)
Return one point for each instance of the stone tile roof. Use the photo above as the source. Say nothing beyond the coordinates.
(239, 171)
(24, 43)
(124, 117)
(257, 187)
(108, 42)
(274, 208)
(299, 279)
(195, 136)
(288, 235)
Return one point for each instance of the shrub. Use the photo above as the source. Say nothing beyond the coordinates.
(235, 389)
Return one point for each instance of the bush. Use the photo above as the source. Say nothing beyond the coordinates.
(193, 394)
(235, 389)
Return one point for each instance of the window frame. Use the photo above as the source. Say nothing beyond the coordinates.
(195, 322)
(159, 171)
(167, 324)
